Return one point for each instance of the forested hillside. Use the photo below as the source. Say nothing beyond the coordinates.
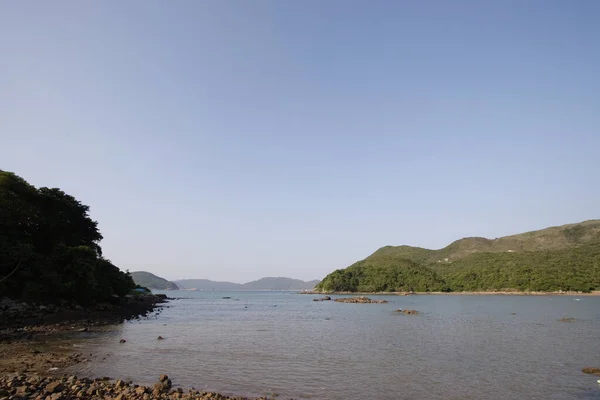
(558, 258)
(50, 247)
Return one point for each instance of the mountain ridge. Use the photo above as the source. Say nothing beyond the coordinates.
(565, 257)
(266, 283)
(551, 238)
(151, 281)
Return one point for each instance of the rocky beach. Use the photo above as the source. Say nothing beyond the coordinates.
(27, 386)
(37, 345)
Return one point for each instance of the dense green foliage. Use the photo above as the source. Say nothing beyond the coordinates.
(149, 280)
(383, 274)
(49, 247)
(576, 269)
(565, 258)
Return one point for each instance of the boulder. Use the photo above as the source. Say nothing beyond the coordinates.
(53, 387)
(141, 389)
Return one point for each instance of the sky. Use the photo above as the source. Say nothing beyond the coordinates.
(232, 140)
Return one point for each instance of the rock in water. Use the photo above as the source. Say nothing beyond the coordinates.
(407, 312)
(359, 299)
(569, 319)
(590, 370)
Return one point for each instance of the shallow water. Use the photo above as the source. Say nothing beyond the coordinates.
(459, 347)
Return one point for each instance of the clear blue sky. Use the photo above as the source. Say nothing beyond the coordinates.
(237, 139)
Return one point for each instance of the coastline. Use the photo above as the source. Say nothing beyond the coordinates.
(478, 293)
(37, 348)
(38, 338)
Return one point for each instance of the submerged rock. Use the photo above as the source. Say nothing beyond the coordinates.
(590, 370)
(359, 299)
(407, 312)
(567, 320)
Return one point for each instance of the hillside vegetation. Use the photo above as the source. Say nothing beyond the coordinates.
(151, 281)
(553, 259)
(50, 248)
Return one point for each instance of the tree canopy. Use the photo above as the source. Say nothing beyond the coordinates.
(50, 247)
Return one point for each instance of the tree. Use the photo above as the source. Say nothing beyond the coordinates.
(50, 247)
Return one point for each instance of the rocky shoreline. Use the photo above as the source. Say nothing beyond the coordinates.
(36, 346)
(15, 314)
(24, 386)
(33, 336)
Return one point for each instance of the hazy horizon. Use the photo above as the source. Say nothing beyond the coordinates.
(235, 140)
(240, 282)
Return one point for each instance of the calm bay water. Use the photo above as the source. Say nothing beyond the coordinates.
(459, 347)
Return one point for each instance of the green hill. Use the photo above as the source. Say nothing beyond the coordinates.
(152, 281)
(558, 258)
(383, 274)
(554, 238)
(50, 248)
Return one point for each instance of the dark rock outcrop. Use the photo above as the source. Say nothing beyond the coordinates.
(15, 314)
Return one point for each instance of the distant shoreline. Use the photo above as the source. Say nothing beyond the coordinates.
(478, 293)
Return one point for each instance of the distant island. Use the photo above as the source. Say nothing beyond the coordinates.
(562, 258)
(151, 281)
(268, 283)
(276, 283)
